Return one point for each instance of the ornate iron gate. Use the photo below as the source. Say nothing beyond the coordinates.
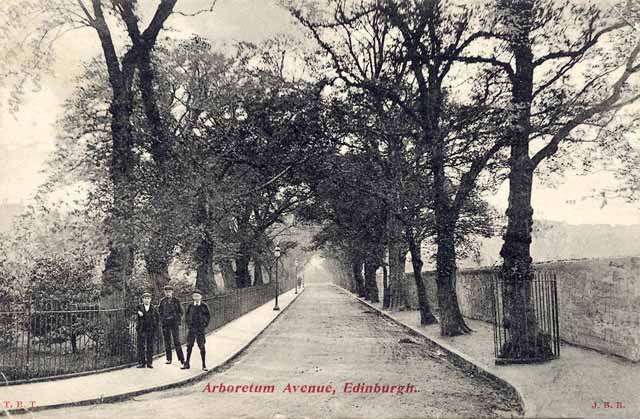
(525, 318)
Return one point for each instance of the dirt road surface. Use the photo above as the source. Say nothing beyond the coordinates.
(324, 339)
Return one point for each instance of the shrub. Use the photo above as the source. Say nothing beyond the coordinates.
(10, 315)
(118, 339)
(63, 299)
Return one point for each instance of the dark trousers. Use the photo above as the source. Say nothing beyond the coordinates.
(192, 337)
(168, 331)
(145, 348)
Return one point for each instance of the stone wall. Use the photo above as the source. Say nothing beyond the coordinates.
(598, 299)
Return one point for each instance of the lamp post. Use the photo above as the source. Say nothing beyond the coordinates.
(296, 278)
(276, 252)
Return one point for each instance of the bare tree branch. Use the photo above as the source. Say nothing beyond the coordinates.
(197, 12)
(610, 103)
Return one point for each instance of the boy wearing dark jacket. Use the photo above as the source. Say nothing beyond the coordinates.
(197, 320)
(170, 316)
(147, 320)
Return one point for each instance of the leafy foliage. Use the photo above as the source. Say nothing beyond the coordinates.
(59, 291)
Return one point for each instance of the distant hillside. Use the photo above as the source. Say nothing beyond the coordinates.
(7, 212)
(554, 240)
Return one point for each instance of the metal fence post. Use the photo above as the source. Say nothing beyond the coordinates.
(532, 301)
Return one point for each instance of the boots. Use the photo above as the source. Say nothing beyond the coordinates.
(186, 366)
(202, 355)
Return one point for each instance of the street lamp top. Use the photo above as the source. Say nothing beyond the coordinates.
(276, 252)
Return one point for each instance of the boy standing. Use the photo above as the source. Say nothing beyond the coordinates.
(197, 319)
(146, 325)
(171, 315)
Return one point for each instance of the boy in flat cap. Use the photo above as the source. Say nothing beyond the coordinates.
(170, 316)
(197, 319)
(146, 325)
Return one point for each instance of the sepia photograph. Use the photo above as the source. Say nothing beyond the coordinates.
(319, 209)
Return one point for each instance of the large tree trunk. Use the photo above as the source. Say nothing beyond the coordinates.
(257, 272)
(119, 262)
(516, 249)
(120, 259)
(228, 274)
(243, 277)
(451, 321)
(358, 281)
(398, 284)
(158, 271)
(524, 339)
(205, 280)
(426, 317)
(386, 300)
(347, 273)
(370, 284)
(344, 274)
(158, 254)
(118, 268)
(517, 240)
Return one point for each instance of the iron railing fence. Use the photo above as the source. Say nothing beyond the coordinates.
(39, 341)
(525, 318)
(52, 339)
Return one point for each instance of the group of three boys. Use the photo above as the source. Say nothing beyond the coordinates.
(169, 314)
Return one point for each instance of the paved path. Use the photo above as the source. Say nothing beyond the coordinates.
(563, 388)
(222, 344)
(325, 340)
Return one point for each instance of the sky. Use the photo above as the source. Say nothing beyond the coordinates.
(27, 138)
